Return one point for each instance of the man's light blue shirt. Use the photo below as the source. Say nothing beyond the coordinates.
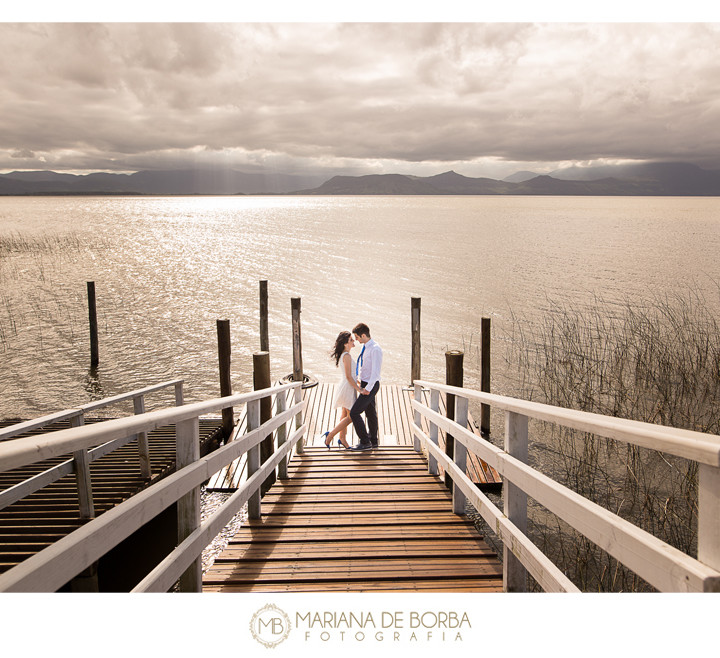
(371, 364)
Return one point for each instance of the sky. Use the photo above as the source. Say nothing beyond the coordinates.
(483, 98)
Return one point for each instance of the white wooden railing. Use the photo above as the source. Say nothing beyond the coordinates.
(81, 460)
(57, 564)
(661, 565)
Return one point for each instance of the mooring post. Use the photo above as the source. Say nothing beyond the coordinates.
(485, 374)
(187, 450)
(297, 363)
(224, 359)
(92, 314)
(261, 380)
(516, 445)
(453, 377)
(264, 325)
(415, 334)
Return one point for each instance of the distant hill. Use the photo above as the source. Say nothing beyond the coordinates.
(656, 179)
(196, 181)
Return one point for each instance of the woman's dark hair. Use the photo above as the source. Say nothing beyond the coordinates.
(339, 348)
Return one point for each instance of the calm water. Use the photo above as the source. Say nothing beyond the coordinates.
(167, 268)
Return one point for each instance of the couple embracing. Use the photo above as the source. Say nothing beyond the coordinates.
(357, 389)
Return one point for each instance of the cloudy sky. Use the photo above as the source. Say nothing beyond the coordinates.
(482, 98)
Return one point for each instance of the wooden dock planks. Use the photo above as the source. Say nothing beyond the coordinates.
(395, 414)
(346, 521)
(40, 519)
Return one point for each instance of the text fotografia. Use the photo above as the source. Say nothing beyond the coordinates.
(383, 627)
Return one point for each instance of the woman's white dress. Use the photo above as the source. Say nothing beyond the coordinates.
(345, 394)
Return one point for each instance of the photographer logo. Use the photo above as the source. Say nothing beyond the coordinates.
(270, 626)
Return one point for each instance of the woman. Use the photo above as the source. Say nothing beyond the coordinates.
(346, 390)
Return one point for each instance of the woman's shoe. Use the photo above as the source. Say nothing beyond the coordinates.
(325, 435)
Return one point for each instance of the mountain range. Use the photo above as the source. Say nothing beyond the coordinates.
(649, 179)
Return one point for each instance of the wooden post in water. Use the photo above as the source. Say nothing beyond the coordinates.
(92, 313)
(485, 375)
(261, 380)
(415, 338)
(264, 331)
(224, 360)
(297, 362)
(453, 377)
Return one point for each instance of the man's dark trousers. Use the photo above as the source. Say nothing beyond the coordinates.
(366, 404)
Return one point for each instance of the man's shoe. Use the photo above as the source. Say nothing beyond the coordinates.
(362, 446)
(374, 445)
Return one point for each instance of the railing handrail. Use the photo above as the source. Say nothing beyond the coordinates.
(697, 446)
(660, 564)
(14, 454)
(54, 566)
(36, 423)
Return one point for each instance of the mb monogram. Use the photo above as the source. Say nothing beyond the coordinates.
(270, 625)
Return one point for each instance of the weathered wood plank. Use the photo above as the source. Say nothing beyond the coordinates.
(357, 522)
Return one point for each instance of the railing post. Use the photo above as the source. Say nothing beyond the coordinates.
(92, 316)
(418, 418)
(142, 440)
(297, 363)
(453, 377)
(433, 433)
(179, 396)
(224, 359)
(516, 444)
(187, 451)
(485, 336)
(280, 406)
(261, 380)
(82, 476)
(415, 358)
(709, 515)
(461, 418)
(253, 457)
(264, 331)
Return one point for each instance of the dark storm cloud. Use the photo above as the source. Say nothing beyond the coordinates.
(128, 96)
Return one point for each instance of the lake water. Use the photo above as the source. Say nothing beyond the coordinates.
(166, 268)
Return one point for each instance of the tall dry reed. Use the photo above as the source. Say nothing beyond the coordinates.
(658, 362)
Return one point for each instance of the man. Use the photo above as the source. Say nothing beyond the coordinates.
(368, 374)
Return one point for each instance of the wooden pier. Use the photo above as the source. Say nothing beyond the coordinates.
(42, 518)
(369, 521)
(394, 429)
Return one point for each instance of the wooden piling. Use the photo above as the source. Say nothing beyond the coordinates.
(415, 358)
(485, 374)
(224, 359)
(264, 325)
(261, 380)
(92, 313)
(297, 362)
(453, 377)
(295, 307)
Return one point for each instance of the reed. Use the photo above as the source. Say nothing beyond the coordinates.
(656, 362)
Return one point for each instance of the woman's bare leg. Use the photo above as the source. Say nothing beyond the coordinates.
(340, 428)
